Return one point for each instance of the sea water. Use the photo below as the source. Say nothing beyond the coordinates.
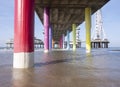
(6, 55)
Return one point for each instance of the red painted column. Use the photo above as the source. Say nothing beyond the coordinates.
(23, 34)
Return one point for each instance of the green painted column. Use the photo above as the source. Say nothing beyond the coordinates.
(74, 36)
(88, 29)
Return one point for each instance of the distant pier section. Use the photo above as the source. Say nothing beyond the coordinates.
(98, 43)
(38, 43)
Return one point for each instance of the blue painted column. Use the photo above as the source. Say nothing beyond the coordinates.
(68, 40)
(50, 38)
(46, 29)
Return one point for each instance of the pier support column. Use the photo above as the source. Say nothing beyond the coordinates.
(46, 29)
(68, 40)
(63, 41)
(50, 38)
(107, 45)
(88, 29)
(53, 43)
(24, 34)
(74, 36)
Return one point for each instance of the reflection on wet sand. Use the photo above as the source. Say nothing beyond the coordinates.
(23, 78)
(89, 60)
(66, 69)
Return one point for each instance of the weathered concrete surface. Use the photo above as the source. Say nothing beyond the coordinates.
(63, 13)
(101, 68)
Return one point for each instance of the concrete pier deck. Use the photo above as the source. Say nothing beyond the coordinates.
(61, 68)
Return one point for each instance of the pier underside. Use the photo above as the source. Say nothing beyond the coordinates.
(63, 13)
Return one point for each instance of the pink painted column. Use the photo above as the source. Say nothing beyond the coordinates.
(23, 34)
(61, 42)
(46, 29)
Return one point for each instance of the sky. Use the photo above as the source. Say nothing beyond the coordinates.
(110, 17)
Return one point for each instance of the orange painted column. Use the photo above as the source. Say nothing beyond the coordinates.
(53, 43)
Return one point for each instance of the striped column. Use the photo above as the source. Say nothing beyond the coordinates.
(88, 29)
(74, 36)
(68, 40)
(23, 34)
(46, 29)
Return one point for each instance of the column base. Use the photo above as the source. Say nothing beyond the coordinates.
(23, 60)
(45, 51)
(68, 48)
(88, 51)
(74, 48)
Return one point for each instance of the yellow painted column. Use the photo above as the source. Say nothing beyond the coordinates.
(74, 36)
(88, 29)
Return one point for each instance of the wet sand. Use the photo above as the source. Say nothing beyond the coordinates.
(64, 68)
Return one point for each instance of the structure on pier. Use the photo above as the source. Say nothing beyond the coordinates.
(99, 39)
(78, 44)
(38, 43)
(9, 44)
(78, 41)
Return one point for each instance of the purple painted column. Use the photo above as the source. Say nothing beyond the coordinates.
(46, 29)
(50, 37)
